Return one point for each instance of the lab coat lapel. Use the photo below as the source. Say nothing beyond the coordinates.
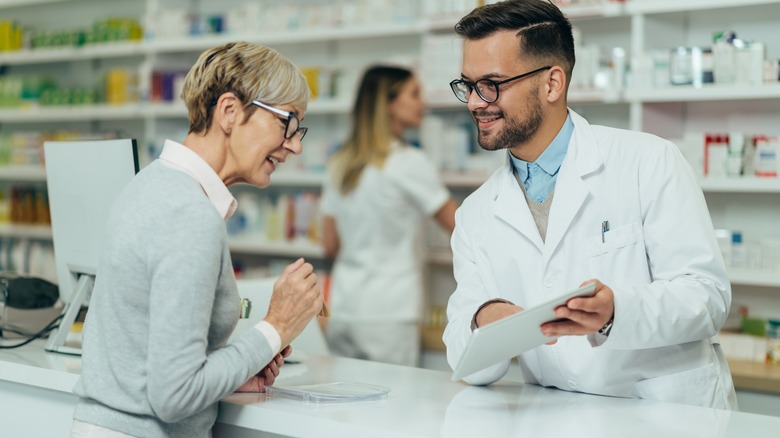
(511, 207)
(571, 191)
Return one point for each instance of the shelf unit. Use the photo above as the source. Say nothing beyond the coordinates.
(37, 232)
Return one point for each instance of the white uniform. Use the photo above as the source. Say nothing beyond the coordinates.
(660, 258)
(376, 295)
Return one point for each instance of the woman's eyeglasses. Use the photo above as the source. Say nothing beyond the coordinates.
(292, 124)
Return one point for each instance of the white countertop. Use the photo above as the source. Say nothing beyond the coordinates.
(425, 403)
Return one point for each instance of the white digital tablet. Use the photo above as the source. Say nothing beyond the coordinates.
(513, 335)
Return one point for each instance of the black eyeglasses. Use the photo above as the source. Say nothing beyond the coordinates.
(291, 126)
(487, 89)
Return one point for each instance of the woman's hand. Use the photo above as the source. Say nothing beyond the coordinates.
(297, 297)
(266, 376)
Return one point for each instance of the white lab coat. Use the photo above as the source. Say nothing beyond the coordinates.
(377, 275)
(660, 258)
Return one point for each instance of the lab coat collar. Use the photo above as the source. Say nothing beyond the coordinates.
(571, 192)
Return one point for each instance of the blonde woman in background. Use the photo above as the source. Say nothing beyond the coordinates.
(378, 193)
(156, 357)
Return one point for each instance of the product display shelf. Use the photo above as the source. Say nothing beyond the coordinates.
(740, 185)
(75, 113)
(25, 173)
(754, 277)
(297, 179)
(257, 245)
(447, 101)
(603, 9)
(299, 36)
(39, 232)
(431, 338)
(69, 54)
(178, 110)
(15, 3)
(441, 256)
(687, 93)
(463, 178)
(755, 376)
(666, 6)
(131, 111)
(595, 10)
(200, 43)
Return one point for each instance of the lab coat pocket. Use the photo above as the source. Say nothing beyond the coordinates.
(699, 386)
(614, 239)
(618, 254)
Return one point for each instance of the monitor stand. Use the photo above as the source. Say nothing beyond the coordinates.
(56, 341)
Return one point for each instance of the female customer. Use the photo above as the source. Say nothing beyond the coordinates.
(378, 193)
(155, 355)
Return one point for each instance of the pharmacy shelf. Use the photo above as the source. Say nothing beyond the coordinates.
(22, 173)
(445, 100)
(740, 185)
(754, 277)
(441, 256)
(594, 96)
(200, 43)
(595, 10)
(755, 376)
(685, 93)
(76, 113)
(132, 111)
(289, 178)
(258, 246)
(178, 110)
(606, 9)
(463, 179)
(666, 6)
(41, 232)
(119, 49)
(14, 3)
(299, 36)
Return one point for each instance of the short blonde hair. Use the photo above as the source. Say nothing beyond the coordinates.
(250, 71)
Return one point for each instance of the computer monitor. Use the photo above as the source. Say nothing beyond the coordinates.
(83, 180)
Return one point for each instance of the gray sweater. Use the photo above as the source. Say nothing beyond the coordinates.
(155, 358)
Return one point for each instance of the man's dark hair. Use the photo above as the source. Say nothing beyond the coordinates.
(543, 32)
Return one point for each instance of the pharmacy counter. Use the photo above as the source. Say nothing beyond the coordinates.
(36, 401)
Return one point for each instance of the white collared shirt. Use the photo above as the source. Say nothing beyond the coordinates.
(182, 158)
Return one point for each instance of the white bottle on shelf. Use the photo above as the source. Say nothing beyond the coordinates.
(738, 250)
(757, 58)
(723, 54)
(735, 156)
(724, 243)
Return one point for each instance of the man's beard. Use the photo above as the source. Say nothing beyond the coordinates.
(514, 132)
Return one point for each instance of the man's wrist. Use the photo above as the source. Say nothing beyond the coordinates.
(474, 324)
(608, 326)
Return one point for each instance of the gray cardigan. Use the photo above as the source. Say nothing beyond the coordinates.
(155, 358)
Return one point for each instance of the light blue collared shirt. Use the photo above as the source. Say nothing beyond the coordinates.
(539, 177)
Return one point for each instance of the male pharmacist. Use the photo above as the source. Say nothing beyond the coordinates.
(578, 203)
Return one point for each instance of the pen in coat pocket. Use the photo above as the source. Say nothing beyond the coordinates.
(604, 229)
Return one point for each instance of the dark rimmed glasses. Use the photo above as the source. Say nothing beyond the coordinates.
(487, 89)
(292, 124)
